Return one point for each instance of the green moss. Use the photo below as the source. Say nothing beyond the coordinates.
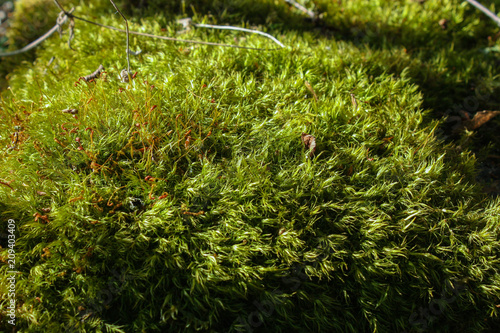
(192, 203)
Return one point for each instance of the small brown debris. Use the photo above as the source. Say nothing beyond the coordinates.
(187, 142)
(75, 199)
(163, 196)
(387, 140)
(46, 252)
(350, 171)
(94, 75)
(70, 111)
(124, 76)
(309, 142)
(41, 193)
(443, 23)
(480, 118)
(89, 252)
(201, 212)
(42, 218)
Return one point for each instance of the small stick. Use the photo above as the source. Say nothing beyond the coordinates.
(171, 38)
(71, 23)
(61, 8)
(35, 43)
(51, 61)
(302, 8)
(58, 21)
(95, 74)
(485, 10)
(71, 31)
(55, 28)
(126, 26)
(228, 27)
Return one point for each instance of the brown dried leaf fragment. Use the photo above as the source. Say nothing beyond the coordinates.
(480, 118)
(309, 142)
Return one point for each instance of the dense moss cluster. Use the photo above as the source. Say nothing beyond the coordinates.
(185, 200)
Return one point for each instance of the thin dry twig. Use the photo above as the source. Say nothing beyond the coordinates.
(174, 39)
(485, 10)
(61, 7)
(71, 31)
(228, 27)
(303, 9)
(126, 27)
(69, 15)
(95, 74)
(71, 23)
(38, 41)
